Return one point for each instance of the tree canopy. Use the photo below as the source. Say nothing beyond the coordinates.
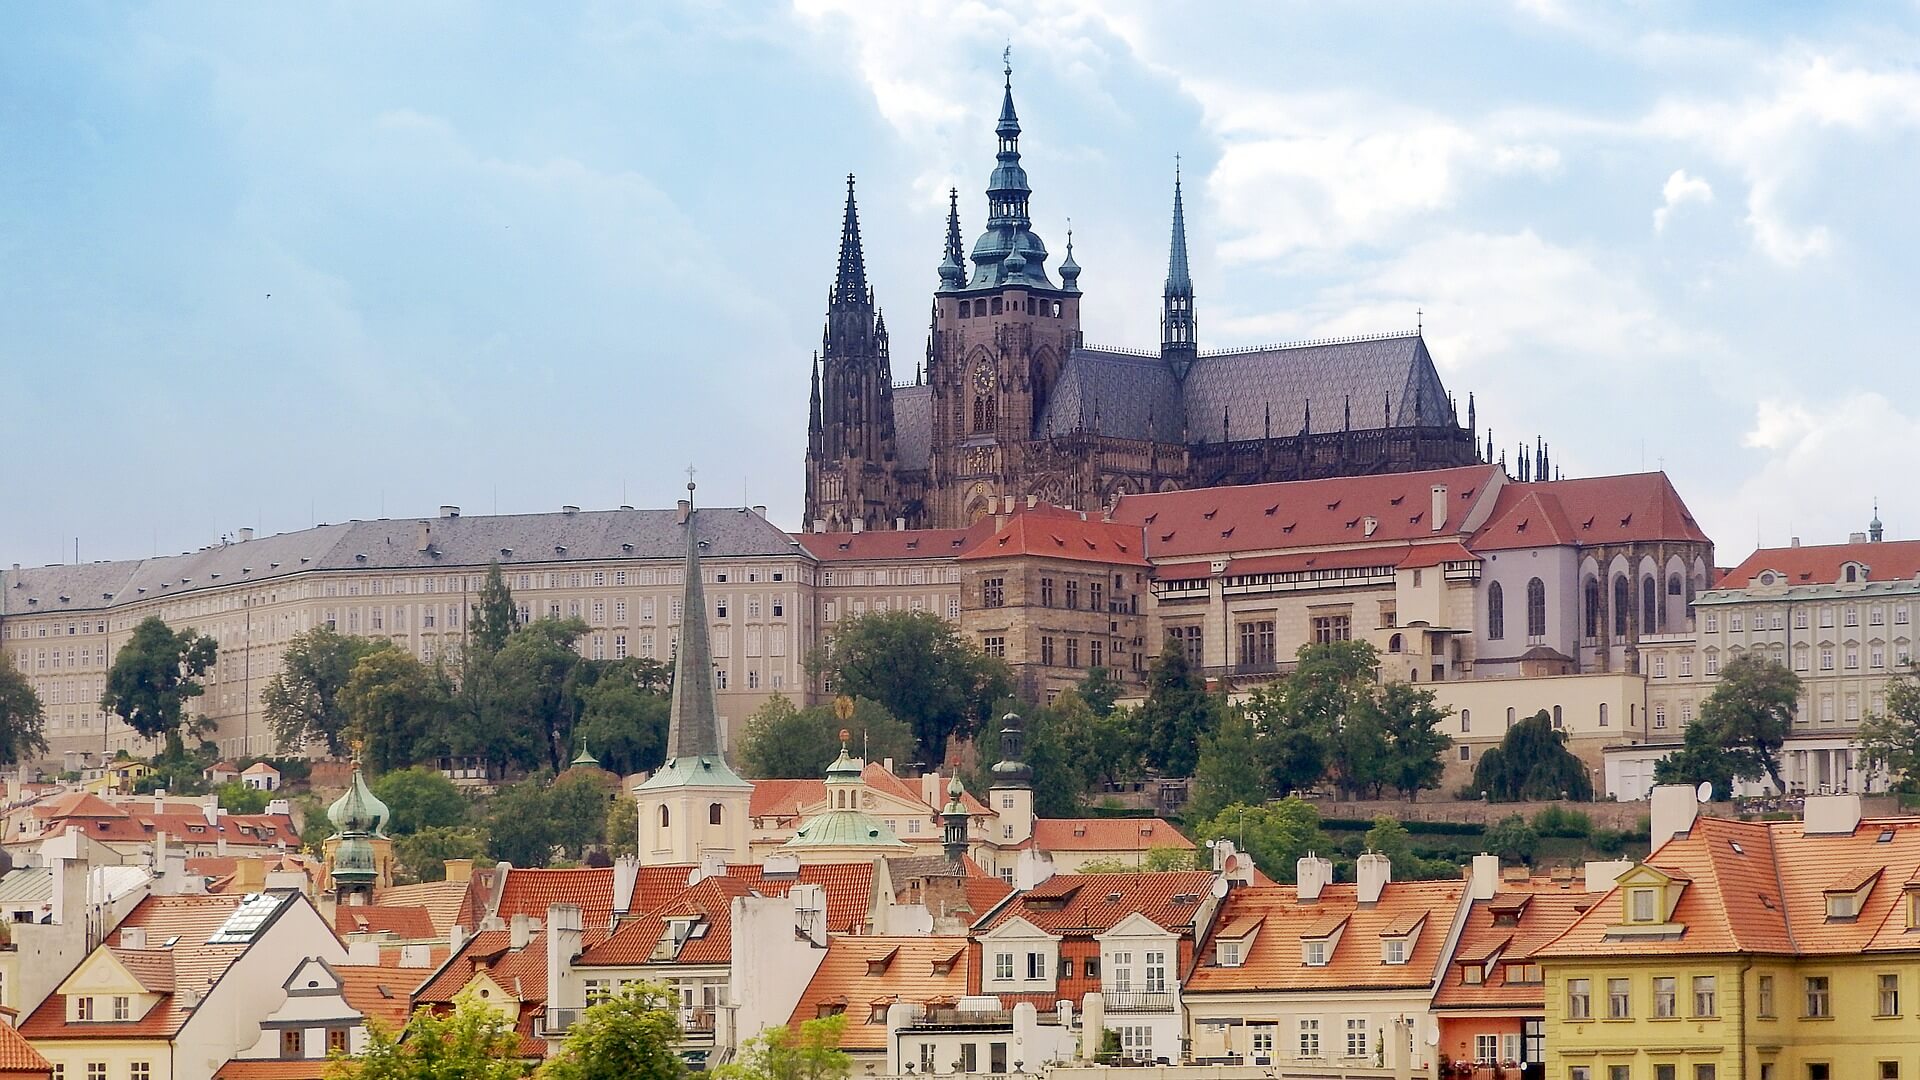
(1532, 762)
(302, 701)
(1890, 740)
(1275, 835)
(810, 1052)
(419, 798)
(22, 718)
(632, 1035)
(1177, 714)
(920, 669)
(1229, 770)
(783, 741)
(1749, 713)
(475, 1041)
(153, 677)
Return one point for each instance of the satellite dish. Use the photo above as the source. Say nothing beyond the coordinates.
(1433, 1036)
(1220, 887)
(1704, 792)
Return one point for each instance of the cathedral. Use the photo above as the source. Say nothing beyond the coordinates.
(1013, 403)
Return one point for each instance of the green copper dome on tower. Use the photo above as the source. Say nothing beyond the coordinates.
(844, 824)
(358, 817)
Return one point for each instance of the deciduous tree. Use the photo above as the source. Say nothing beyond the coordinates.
(919, 668)
(810, 1052)
(1177, 713)
(493, 618)
(1276, 834)
(537, 676)
(1890, 740)
(1229, 770)
(632, 1035)
(153, 677)
(475, 1041)
(419, 798)
(783, 741)
(1532, 762)
(1749, 714)
(424, 854)
(398, 708)
(302, 701)
(22, 718)
(1407, 722)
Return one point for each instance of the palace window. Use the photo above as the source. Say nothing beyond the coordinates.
(1496, 612)
(1331, 628)
(1579, 999)
(993, 592)
(1536, 609)
(1046, 592)
(1819, 996)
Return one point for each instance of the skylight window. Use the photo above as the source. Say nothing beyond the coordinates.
(248, 919)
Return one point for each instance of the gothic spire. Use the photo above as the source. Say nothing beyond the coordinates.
(1008, 252)
(953, 272)
(813, 409)
(1179, 336)
(1070, 270)
(1178, 280)
(693, 731)
(850, 283)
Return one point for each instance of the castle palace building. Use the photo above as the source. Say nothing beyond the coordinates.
(1013, 402)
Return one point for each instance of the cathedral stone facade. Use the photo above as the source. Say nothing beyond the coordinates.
(1013, 403)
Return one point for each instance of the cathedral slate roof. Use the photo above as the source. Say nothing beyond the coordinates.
(456, 542)
(913, 425)
(1129, 395)
(1383, 377)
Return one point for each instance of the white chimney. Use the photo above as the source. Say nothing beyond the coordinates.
(899, 524)
(422, 537)
(520, 931)
(1310, 875)
(564, 938)
(626, 876)
(1794, 542)
(682, 509)
(713, 864)
(456, 937)
(1675, 806)
(449, 511)
(133, 937)
(362, 951)
(1439, 513)
(810, 912)
(1372, 871)
(819, 525)
(1599, 876)
(1830, 815)
(416, 956)
(246, 535)
(1484, 879)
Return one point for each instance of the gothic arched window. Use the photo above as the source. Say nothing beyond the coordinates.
(663, 817)
(1536, 608)
(1649, 606)
(1596, 617)
(993, 419)
(1622, 605)
(713, 814)
(1496, 612)
(979, 414)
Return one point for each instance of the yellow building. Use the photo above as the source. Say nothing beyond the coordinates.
(1740, 950)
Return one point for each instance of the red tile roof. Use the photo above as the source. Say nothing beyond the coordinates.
(783, 798)
(1891, 560)
(384, 993)
(1544, 911)
(1106, 834)
(1087, 904)
(17, 1055)
(859, 974)
(1638, 507)
(531, 892)
(849, 895)
(1273, 959)
(191, 964)
(274, 1069)
(447, 903)
(1063, 536)
(1302, 513)
(404, 923)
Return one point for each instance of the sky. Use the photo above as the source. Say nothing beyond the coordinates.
(271, 265)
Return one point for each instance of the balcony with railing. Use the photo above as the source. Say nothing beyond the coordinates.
(1138, 1001)
(696, 1021)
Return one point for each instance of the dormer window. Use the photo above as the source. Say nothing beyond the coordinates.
(1473, 974)
(1314, 953)
(1229, 954)
(1643, 905)
(1393, 951)
(1847, 895)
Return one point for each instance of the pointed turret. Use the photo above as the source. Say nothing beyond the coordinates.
(1875, 530)
(850, 282)
(1008, 253)
(953, 270)
(813, 405)
(1070, 270)
(693, 729)
(953, 819)
(358, 818)
(1178, 327)
(1013, 782)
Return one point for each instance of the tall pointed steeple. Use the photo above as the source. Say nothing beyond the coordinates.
(850, 282)
(1070, 270)
(1008, 253)
(693, 728)
(1179, 330)
(953, 270)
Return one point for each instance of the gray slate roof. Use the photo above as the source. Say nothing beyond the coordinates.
(532, 539)
(913, 425)
(1133, 395)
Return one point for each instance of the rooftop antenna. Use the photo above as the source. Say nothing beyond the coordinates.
(1419, 320)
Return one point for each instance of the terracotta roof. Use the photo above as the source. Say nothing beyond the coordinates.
(260, 768)
(447, 903)
(883, 544)
(531, 892)
(1540, 910)
(17, 1055)
(1106, 834)
(1087, 904)
(707, 908)
(522, 972)
(1063, 537)
(1302, 513)
(405, 923)
(1273, 958)
(383, 993)
(862, 973)
(77, 804)
(152, 968)
(1820, 564)
(194, 965)
(274, 1069)
(1589, 510)
(783, 798)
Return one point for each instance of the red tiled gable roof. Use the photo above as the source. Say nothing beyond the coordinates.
(191, 964)
(77, 804)
(1550, 908)
(1089, 904)
(404, 923)
(447, 903)
(787, 798)
(531, 892)
(260, 768)
(274, 1069)
(1821, 564)
(522, 972)
(17, 1055)
(383, 993)
(906, 972)
(1273, 958)
(1106, 834)
(709, 904)
(1063, 537)
(1302, 513)
(879, 545)
(1590, 510)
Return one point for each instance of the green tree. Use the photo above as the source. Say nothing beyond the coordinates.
(1292, 744)
(1157, 859)
(1229, 770)
(1407, 722)
(493, 618)
(237, 798)
(398, 708)
(1512, 839)
(623, 716)
(302, 701)
(1532, 762)
(420, 798)
(812, 1052)
(1390, 838)
(1749, 713)
(473, 1042)
(1060, 779)
(153, 677)
(520, 825)
(1890, 740)
(919, 668)
(1178, 712)
(1326, 693)
(578, 803)
(22, 719)
(538, 674)
(1276, 835)
(1099, 689)
(623, 827)
(1700, 759)
(424, 854)
(632, 1035)
(782, 741)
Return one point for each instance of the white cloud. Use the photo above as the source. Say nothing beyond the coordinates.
(1679, 190)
